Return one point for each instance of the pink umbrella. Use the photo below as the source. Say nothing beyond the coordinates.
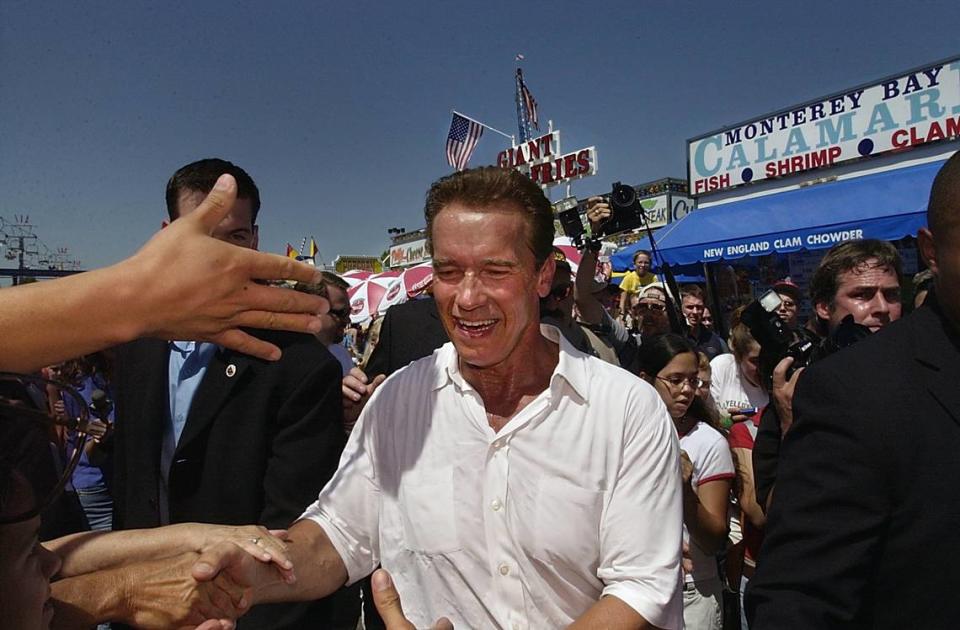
(417, 279)
(355, 276)
(373, 296)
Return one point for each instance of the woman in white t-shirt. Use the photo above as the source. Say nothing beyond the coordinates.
(670, 363)
(736, 378)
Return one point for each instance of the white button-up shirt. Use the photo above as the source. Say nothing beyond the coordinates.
(578, 496)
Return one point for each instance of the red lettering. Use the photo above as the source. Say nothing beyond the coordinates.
(568, 165)
(796, 163)
(518, 156)
(533, 150)
(834, 153)
(583, 159)
(899, 140)
(935, 133)
(724, 181)
(545, 144)
(953, 127)
(913, 136)
(771, 169)
(502, 161)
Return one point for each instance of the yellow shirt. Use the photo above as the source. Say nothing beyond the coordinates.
(632, 283)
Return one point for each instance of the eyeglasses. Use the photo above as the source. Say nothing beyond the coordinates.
(561, 291)
(30, 474)
(645, 306)
(677, 381)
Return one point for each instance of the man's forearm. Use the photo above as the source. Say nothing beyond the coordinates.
(611, 613)
(318, 567)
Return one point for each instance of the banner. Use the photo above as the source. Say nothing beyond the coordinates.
(897, 114)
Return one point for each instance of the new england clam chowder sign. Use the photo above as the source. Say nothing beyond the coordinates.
(916, 108)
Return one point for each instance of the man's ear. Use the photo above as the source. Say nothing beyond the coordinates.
(256, 237)
(928, 249)
(822, 310)
(545, 276)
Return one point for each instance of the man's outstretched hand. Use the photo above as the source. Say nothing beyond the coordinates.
(387, 600)
(200, 288)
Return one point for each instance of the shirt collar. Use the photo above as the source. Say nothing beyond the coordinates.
(571, 367)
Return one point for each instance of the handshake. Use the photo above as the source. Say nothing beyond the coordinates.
(189, 576)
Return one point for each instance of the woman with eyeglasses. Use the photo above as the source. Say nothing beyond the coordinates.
(670, 363)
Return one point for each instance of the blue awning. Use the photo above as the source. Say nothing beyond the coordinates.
(888, 206)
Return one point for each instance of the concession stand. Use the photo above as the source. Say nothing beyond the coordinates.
(772, 193)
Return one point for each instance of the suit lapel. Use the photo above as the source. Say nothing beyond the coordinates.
(938, 351)
(224, 374)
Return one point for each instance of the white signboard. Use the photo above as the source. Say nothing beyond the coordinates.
(541, 160)
(409, 253)
(892, 115)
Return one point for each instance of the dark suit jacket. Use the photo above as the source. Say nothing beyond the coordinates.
(260, 440)
(863, 527)
(410, 331)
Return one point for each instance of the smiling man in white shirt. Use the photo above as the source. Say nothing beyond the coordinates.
(508, 480)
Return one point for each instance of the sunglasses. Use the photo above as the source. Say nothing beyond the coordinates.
(657, 308)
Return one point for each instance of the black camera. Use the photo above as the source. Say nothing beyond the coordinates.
(777, 341)
(626, 214)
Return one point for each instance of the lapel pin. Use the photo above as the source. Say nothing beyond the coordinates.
(231, 370)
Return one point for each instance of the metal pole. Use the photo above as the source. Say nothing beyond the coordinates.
(493, 129)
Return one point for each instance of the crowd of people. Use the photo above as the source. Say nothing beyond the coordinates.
(514, 450)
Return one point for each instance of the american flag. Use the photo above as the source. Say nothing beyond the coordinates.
(530, 105)
(462, 140)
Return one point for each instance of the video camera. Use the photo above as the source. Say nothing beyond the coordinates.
(776, 340)
(627, 214)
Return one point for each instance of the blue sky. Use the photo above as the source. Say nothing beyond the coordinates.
(340, 110)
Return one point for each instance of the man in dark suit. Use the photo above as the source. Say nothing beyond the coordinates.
(862, 530)
(211, 435)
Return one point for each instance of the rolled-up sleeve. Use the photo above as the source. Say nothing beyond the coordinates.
(642, 523)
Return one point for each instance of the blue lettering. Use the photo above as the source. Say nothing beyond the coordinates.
(698, 157)
(738, 158)
(926, 100)
(932, 76)
(831, 133)
(796, 143)
(880, 115)
(762, 151)
(732, 137)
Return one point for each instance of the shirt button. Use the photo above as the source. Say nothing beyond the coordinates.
(504, 569)
(496, 505)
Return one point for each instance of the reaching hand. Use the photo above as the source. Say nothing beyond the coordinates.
(266, 545)
(162, 594)
(387, 600)
(356, 390)
(197, 287)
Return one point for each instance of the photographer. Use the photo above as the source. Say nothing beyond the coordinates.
(856, 279)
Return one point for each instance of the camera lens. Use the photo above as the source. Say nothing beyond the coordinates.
(623, 195)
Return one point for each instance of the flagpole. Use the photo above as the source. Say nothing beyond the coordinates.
(485, 125)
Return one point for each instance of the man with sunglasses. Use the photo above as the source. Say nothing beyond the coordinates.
(336, 320)
(209, 435)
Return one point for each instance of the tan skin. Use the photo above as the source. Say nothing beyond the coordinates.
(870, 293)
(487, 285)
(182, 284)
(749, 366)
(704, 509)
